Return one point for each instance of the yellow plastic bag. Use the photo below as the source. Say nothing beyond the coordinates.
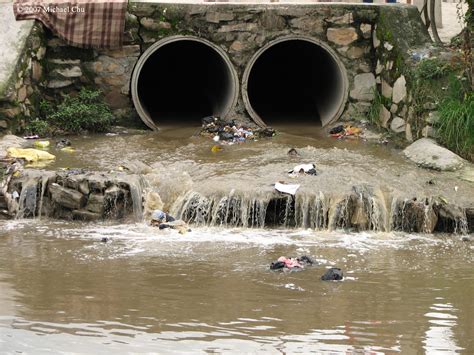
(29, 154)
(41, 144)
(216, 148)
(68, 149)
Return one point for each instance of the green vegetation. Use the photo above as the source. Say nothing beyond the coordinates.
(446, 87)
(374, 110)
(85, 111)
(434, 68)
(456, 118)
(427, 81)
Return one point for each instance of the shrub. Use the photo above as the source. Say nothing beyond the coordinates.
(39, 127)
(84, 112)
(456, 119)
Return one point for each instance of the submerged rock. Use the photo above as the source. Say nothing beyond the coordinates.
(333, 274)
(82, 215)
(428, 154)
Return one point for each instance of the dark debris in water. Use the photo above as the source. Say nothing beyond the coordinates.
(231, 132)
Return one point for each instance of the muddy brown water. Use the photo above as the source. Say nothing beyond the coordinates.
(210, 291)
(64, 291)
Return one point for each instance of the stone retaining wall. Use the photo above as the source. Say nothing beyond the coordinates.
(370, 40)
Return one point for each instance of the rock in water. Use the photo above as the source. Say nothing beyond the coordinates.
(332, 274)
(428, 154)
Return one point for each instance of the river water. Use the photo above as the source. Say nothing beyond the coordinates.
(63, 290)
(144, 291)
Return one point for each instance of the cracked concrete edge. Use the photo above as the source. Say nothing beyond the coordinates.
(13, 40)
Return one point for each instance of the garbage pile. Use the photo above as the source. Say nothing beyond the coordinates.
(345, 131)
(229, 132)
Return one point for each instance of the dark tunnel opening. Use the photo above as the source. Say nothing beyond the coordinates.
(295, 80)
(183, 80)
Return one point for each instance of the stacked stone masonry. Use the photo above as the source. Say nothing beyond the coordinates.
(370, 40)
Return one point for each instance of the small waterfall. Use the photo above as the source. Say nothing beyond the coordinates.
(218, 210)
(137, 185)
(413, 215)
(452, 219)
(363, 208)
(311, 211)
(370, 209)
(43, 186)
(27, 199)
(93, 196)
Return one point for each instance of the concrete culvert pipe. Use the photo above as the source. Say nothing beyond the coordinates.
(183, 78)
(295, 79)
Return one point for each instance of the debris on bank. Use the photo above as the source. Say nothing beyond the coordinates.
(29, 154)
(357, 131)
(345, 131)
(230, 132)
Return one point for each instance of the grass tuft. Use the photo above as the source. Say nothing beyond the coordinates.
(456, 119)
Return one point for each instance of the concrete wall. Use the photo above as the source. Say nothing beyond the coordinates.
(21, 51)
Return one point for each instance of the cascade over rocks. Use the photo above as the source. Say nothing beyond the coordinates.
(73, 194)
(82, 195)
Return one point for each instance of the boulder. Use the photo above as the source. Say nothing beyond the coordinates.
(66, 197)
(272, 22)
(364, 86)
(85, 215)
(386, 89)
(58, 84)
(452, 219)
(467, 174)
(342, 36)
(408, 133)
(399, 90)
(428, 154)
(397, 125)
(154, 25)
(97, 182)
(366, 30)
(9, 141)
(429, 132)
(95, 203)
(355, 52)
(216, 17)
(414, 215)
(311, 24)
(470, 219)
(74, 72)
(239, 27)
(384, 117)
